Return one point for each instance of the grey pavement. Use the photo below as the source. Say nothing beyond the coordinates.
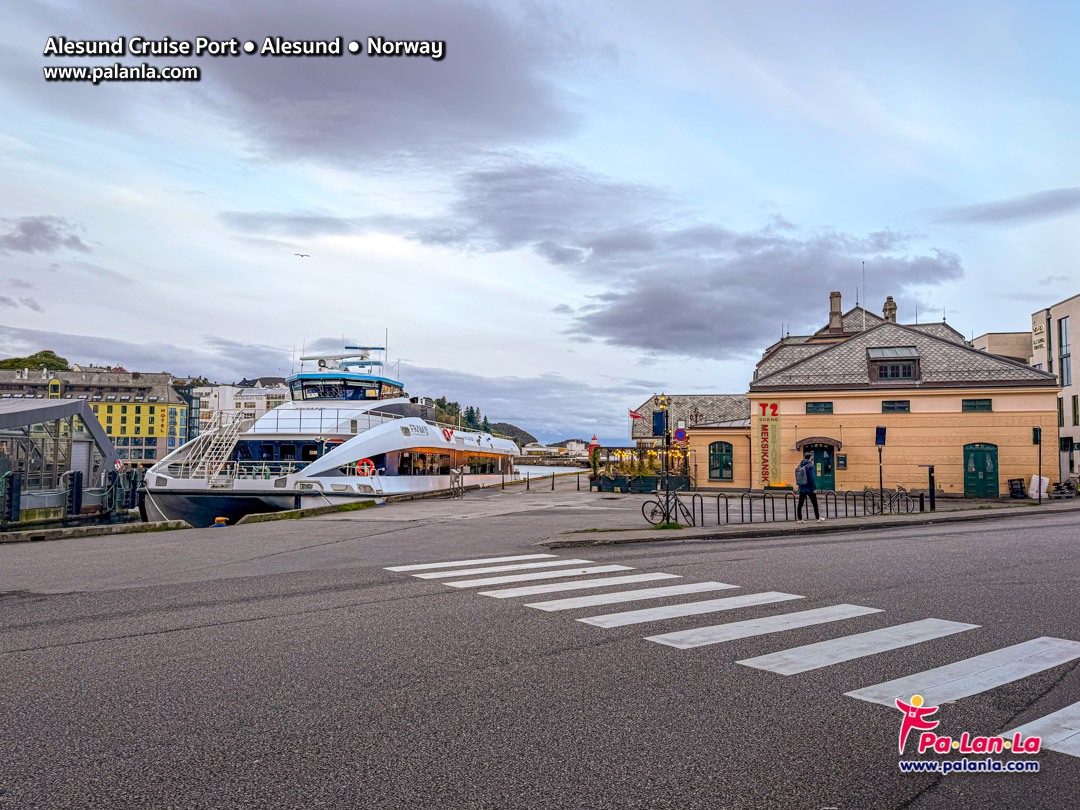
(281, 665)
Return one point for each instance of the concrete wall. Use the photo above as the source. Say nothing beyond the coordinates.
(934, 432)
(1015, 345)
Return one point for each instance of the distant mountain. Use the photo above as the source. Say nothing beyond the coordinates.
(520, 436)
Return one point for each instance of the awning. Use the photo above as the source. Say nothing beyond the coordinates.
(801, 443)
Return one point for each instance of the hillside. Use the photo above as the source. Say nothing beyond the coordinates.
(452, 413)
(521, 437)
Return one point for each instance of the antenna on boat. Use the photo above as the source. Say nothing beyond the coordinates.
(303, 351)
(386, 345)
(292, 361)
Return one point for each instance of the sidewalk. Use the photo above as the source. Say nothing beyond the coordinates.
(739, 531)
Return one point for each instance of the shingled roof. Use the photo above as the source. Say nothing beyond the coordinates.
(944, 363)
(710, 408)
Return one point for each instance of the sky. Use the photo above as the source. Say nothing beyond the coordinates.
(579, 206)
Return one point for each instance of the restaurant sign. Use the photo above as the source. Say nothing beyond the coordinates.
(768, 443)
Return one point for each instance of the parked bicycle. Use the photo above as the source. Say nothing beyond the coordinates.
(667, 508)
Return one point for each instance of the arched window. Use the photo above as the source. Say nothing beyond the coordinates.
(721, 463)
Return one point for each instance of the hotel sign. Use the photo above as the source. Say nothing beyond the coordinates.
(768, 444)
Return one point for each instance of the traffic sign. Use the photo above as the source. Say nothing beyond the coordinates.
(680, 435)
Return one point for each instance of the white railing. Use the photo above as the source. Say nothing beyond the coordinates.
(238, 469)
(316, 420)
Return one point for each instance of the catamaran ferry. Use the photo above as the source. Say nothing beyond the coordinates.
(346, 434)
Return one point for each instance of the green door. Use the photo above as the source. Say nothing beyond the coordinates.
(824, 465)
(980, 471)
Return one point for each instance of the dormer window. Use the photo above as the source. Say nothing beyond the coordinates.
(894, 364)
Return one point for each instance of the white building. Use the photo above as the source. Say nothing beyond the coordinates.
(254, 402)
(257, 401)
(1051, 350)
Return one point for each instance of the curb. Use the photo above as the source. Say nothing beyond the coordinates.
(790, 530)
(31, 536)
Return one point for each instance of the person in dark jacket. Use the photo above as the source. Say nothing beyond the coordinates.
(808, 489)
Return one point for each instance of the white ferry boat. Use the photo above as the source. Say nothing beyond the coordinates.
(346, 434)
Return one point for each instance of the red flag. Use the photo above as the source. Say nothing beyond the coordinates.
(636, 415)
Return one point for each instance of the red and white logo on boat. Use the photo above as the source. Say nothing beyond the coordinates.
(448, 433)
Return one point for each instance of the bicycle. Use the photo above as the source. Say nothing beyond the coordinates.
(666, 510)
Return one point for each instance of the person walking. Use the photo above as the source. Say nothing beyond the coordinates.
(806, 479)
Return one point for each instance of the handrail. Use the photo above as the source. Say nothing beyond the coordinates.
(298, 418)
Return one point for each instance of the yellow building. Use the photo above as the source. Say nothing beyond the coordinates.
(143, 414)
(940, 402)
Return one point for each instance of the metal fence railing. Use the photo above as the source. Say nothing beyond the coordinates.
(767, 507)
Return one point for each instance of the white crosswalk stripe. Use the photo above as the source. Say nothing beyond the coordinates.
(859, 645)
(498, 569)
(569, 572)
(1060, 730)
(555, 587)
(687, 609)
(715, 634)
(451, 564)
(974, 675)
(630, 596)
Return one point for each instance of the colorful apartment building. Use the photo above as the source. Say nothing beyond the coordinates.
(143, 414)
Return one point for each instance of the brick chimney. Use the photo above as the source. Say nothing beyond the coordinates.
(836, 314)
(889, 311)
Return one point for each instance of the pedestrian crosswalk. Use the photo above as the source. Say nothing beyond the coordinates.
(701, 636)
(567, 572)
(846, 648)
(687, 609)
(1060, 731)
(973, 675)
(495, 569)
(550, 574)
(629, 596)
(575, 585)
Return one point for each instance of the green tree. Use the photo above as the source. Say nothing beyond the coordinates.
(486, 425)
(46, 357)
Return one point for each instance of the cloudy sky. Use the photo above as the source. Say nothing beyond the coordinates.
(580, 205)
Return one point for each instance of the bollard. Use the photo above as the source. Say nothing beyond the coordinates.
(553, 482)
(579, 482)
(502, 483)
(527, 481)
(922, 501)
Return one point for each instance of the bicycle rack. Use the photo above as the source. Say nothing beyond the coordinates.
(694, 501)
(788, 495)
(836, 510)
(742, 500)
(718, 497)
(772, 501)
(854, 503)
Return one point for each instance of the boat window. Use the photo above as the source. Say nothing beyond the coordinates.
(309, 452)
(288, 452)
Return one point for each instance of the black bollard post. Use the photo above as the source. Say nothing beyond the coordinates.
(922, 501)
(933, 491)
(579, 482)
(553, 482)
(527, 480)
(502, 484)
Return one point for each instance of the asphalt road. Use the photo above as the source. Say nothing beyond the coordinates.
(281, 665)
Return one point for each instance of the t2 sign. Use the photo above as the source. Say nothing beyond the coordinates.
(768, 444)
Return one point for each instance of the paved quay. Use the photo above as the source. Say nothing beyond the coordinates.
(433, 654)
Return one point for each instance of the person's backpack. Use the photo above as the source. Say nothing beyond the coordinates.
(800, 474)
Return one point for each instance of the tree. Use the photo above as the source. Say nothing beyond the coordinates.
(470, 416)
(486, 425)
(46, 357)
